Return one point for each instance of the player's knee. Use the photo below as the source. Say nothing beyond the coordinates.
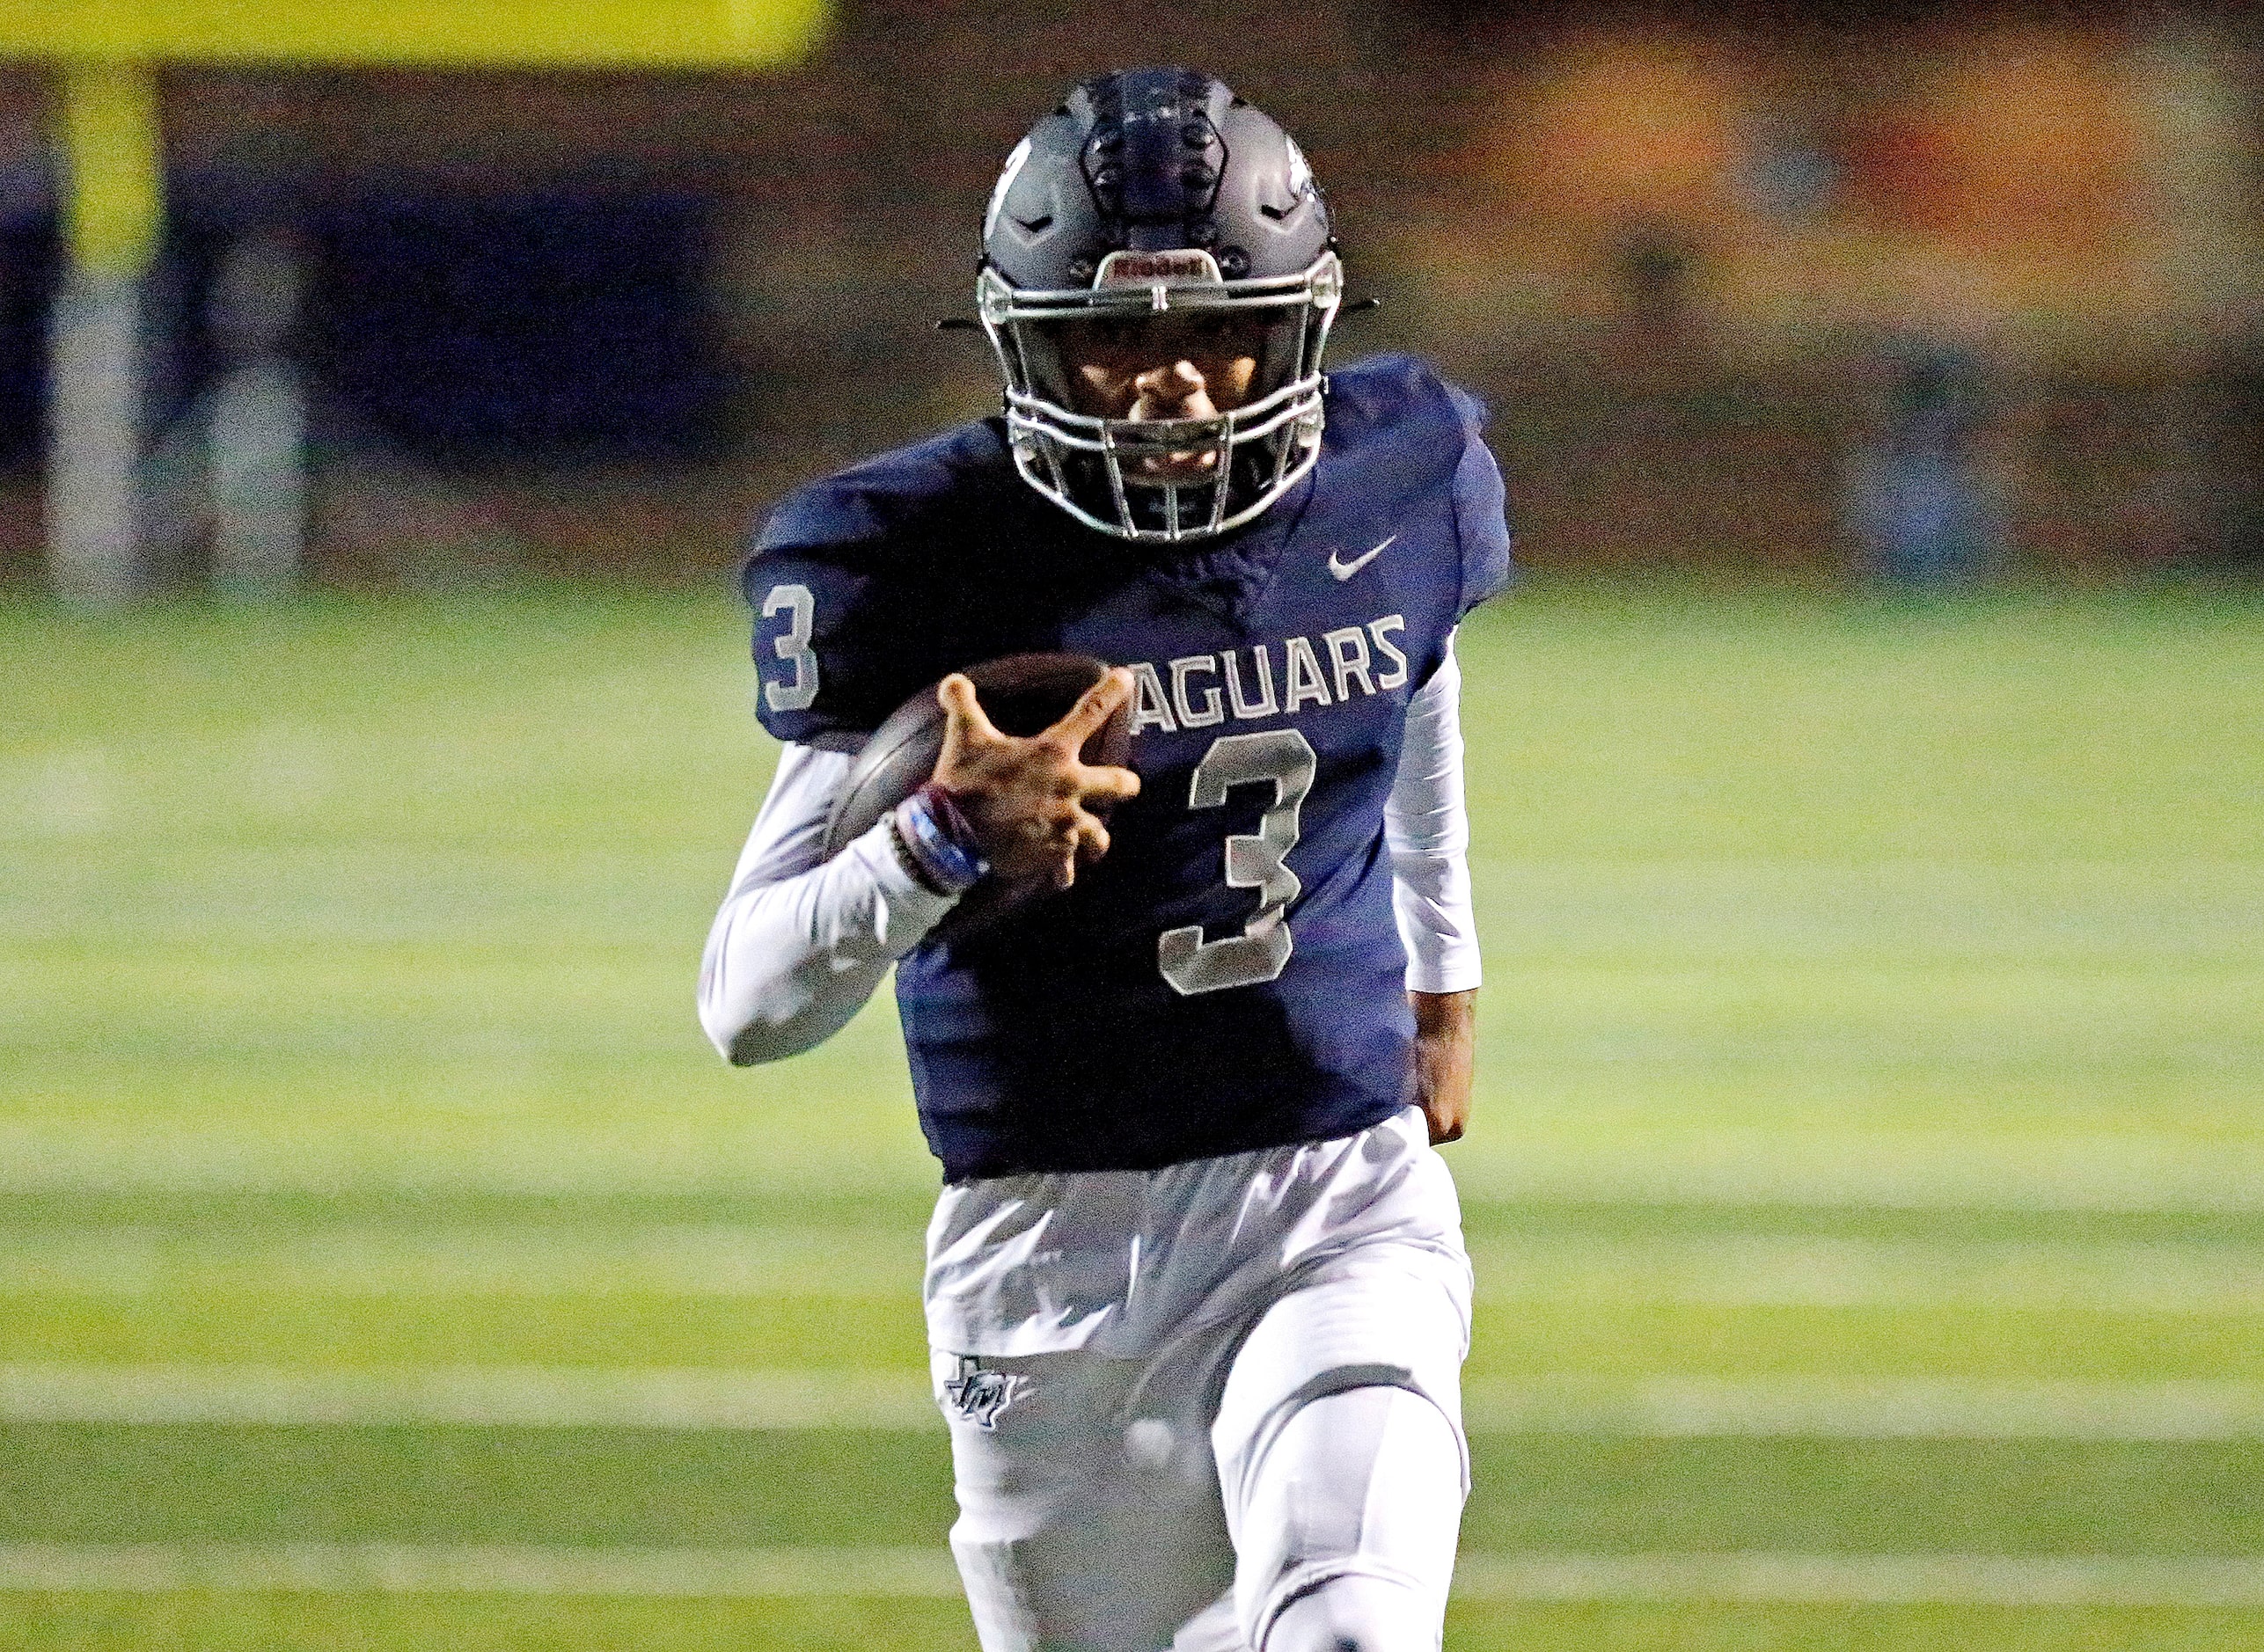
(1356, 1613)
(1374, 1469)
(1347, 1537)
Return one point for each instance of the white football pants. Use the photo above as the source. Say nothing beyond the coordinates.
(1283, 1472)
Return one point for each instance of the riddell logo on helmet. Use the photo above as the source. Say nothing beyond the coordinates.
(1151, 269)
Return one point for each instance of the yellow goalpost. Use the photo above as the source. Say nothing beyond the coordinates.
(106, 53)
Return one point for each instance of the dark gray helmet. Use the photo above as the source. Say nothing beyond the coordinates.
(1150, 192)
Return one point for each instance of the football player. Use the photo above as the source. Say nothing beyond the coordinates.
(1196, 1285)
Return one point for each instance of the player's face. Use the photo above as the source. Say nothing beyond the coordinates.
(1191, 365)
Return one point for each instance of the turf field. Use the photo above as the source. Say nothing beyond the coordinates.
(1868, 1188)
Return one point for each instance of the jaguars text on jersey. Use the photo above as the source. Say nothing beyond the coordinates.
(1238, 940)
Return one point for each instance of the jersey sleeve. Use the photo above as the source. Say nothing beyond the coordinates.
(1481, 509)
(812, 648)
(838, 611)
(859, 588)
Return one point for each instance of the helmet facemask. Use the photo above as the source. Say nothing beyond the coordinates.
(1164, 480)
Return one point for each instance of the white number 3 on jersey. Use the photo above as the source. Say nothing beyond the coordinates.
(793, 647)
(1256, 861)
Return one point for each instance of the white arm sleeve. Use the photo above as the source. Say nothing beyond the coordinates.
(800, 944)
(1428, 832)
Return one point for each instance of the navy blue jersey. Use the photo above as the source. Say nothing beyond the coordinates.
(1229, 977)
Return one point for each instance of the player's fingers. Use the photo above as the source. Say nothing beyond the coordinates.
(1095, 706)
(1092, 840)
(1106, 784)
(964, 716)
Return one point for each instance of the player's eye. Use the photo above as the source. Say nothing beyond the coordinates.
(1101, 337)
(1242, 332)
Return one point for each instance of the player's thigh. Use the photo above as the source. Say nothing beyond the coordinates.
(1074, 1528)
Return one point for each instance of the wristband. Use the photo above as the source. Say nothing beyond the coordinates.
(944, 803)
(937, 842)
(911, 863)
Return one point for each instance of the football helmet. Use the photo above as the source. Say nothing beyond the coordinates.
(1154, 197)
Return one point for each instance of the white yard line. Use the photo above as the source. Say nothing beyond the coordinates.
(2234, 1583)
(716, 1260)
(1909, 1408)
(728, 1262)
(502, 1396)
(1738, 1271)
(399, 1568)
(701, 1401)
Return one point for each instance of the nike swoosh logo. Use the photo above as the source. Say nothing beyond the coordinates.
(1344, 570)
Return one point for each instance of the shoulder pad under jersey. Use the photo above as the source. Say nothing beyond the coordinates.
(1399, 405)
(852, 583)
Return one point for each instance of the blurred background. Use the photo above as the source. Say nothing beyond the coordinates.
(1740, 279)
(1868, 1186)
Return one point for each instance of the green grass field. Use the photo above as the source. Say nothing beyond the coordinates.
(1868, 1186)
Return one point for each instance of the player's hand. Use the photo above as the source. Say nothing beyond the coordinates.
(1027, 799)
(1445, 1046)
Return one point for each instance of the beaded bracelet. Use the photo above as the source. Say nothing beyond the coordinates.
(914, 867)
(937, 844)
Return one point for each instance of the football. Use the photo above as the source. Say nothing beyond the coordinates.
(1023, 694)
